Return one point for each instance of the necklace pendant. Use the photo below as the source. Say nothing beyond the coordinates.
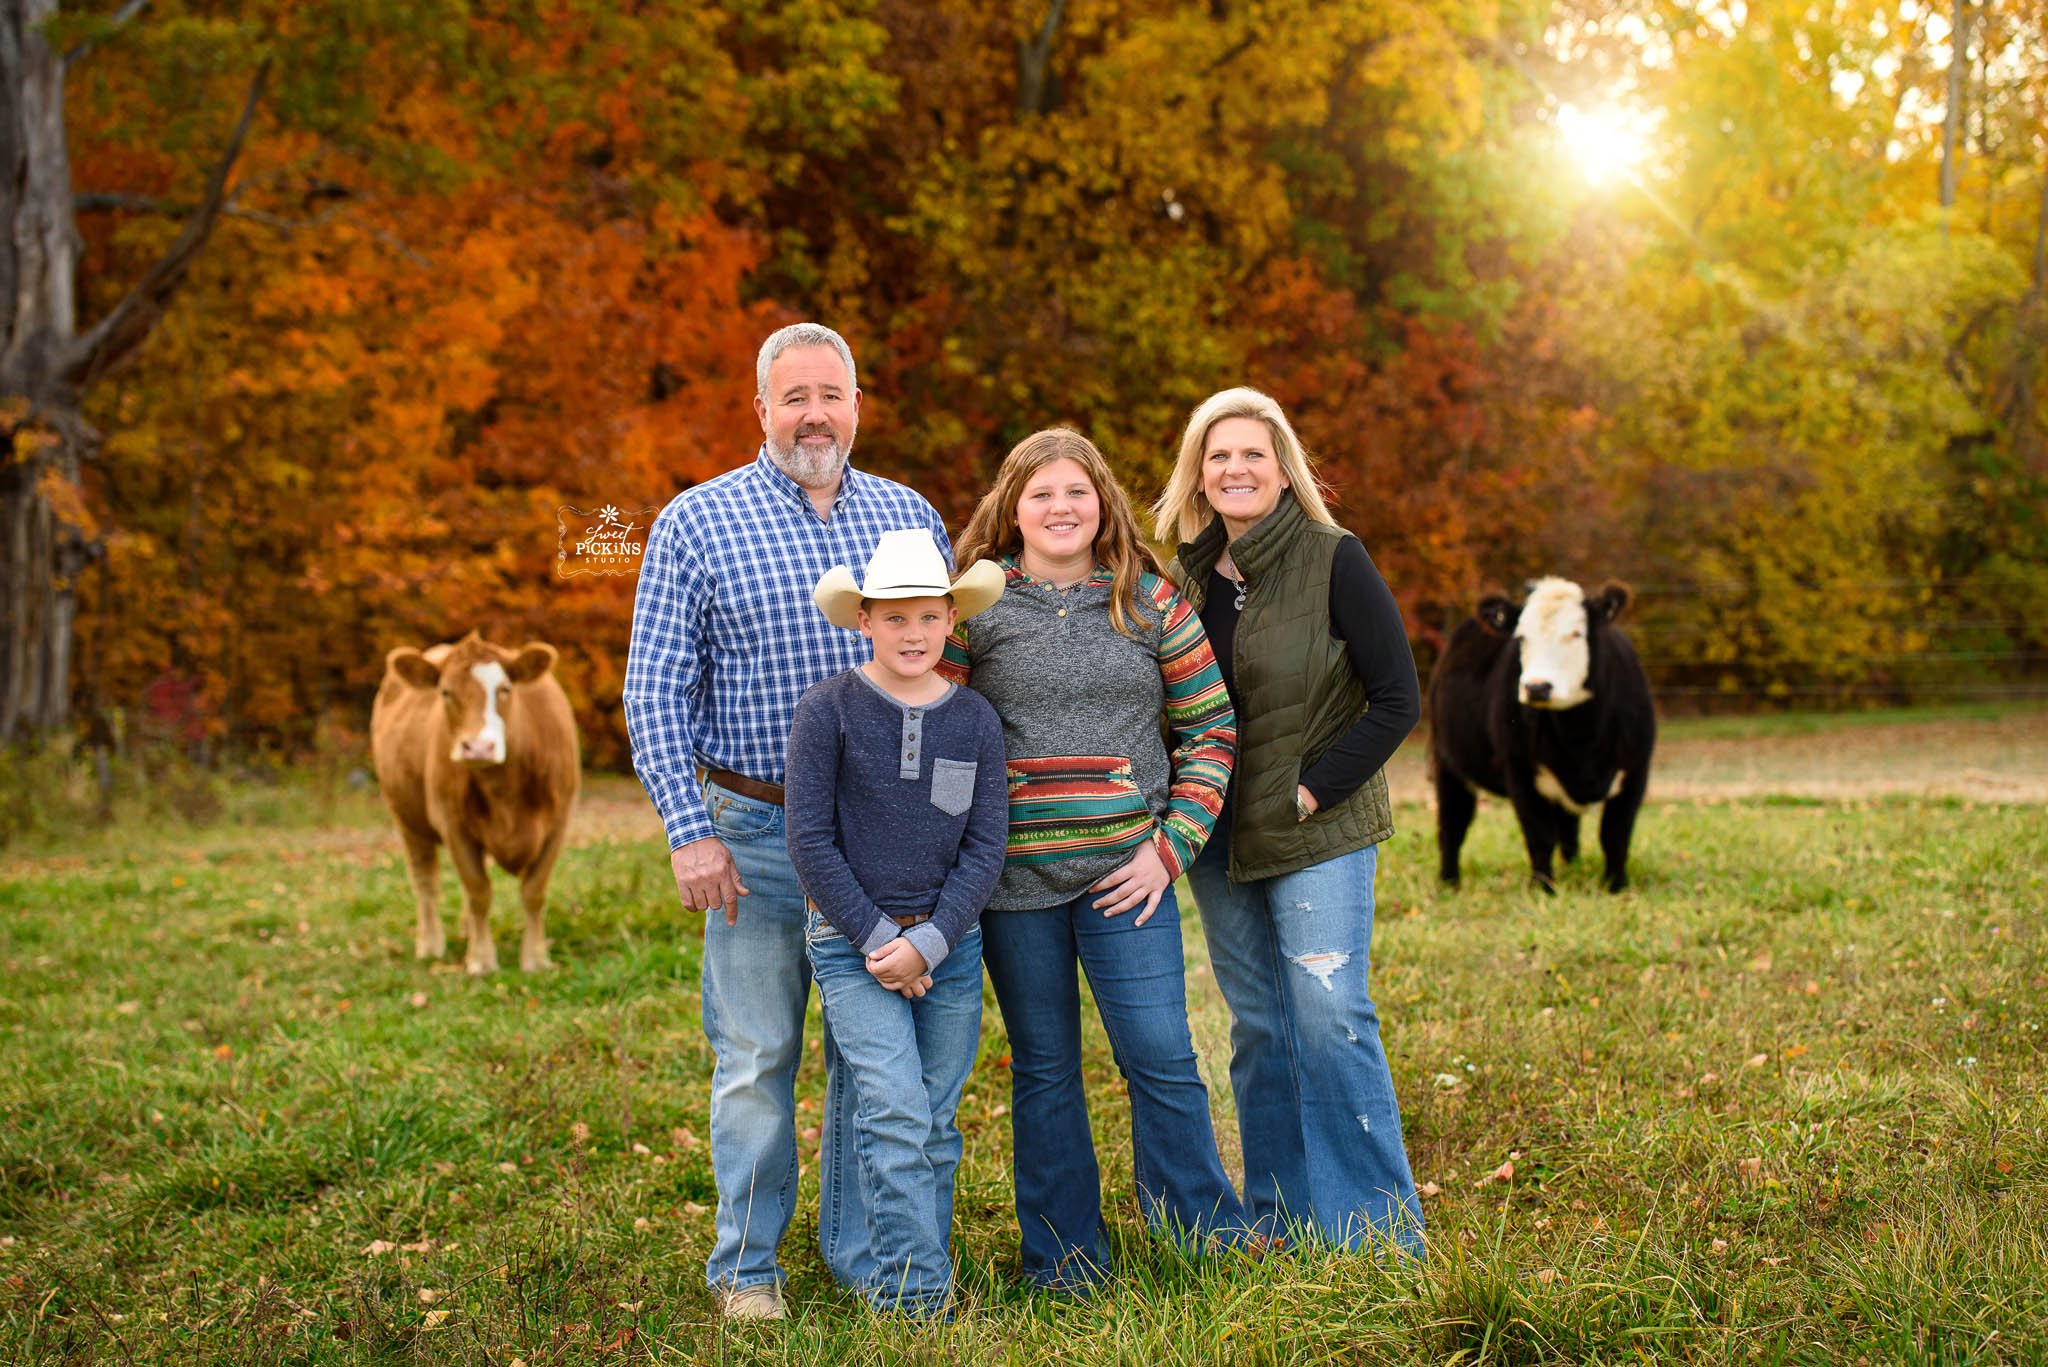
(1062, 612)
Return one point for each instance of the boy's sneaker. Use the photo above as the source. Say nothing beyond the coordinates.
(762, 1301)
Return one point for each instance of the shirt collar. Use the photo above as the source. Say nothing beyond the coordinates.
(1013, 567)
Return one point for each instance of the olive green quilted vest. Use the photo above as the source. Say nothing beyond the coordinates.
(1296, 694)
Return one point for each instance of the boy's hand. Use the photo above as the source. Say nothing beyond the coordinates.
(900, 968)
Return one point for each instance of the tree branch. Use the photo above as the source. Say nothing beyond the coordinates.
(100, 202)
(114, 25)
(123, 330)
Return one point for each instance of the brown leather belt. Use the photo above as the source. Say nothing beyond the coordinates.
(915, 918)
(741, 784)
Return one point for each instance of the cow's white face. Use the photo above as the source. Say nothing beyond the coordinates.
(476, 700)
(1555, 655)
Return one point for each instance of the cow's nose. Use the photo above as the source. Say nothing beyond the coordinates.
(479, 747)
(1538, 692)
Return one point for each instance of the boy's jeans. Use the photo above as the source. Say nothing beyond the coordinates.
(1315, 1098)
(902, 1064)
(1138, 978)
(756, 983)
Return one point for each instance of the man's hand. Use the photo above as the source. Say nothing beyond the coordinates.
(706, 877)
(1141, 879)
(900, 968)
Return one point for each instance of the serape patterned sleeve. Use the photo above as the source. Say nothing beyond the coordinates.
(1204, 727)
(955, 666)
(664, 666)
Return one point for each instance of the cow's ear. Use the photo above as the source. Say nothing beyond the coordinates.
(411, 666)
(536, 659)
(1497, 614)
(1612, 600)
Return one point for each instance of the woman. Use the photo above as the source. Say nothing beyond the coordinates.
(1087, 648)
(1317, 665)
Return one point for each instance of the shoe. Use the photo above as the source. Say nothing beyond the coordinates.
(762, 1301)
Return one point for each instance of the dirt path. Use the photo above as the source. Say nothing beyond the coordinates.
(2002, 759)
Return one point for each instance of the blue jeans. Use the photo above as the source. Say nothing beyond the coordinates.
(756, 983)
(1315, 1099)
(903, 1063)
(1138, 978)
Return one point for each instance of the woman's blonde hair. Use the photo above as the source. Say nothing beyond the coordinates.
(1183, 510)
(1119, 546)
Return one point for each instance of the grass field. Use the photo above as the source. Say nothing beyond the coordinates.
(1786, 1100)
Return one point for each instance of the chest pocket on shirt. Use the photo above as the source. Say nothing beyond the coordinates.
(953, 785)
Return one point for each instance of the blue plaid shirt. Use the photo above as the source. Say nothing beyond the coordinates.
(725, 636)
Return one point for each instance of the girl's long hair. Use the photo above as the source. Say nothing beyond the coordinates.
(1119, 548)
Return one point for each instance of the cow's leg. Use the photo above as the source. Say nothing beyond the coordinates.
(1618, 823)
(533, 895)
(468, 857)
(423, 862)
(1455, 805)
(1567, 835)
(1539, 832)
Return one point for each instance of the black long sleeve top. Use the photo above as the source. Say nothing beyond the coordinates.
(1365, 617)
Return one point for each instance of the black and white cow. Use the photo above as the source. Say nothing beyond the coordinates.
(1544, 702)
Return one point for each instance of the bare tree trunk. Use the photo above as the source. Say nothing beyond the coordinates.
(46, 364)
(1952, 118)
(1034, 64)
(38, 265)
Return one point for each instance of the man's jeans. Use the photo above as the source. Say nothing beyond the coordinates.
(886, 1226)
(1137, 976)
(756, 983)
(1315, 1099)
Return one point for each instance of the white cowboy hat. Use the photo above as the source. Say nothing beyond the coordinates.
(906, 564)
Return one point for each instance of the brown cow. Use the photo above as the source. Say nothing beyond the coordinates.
(475, 746)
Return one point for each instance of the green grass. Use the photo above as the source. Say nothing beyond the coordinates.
(1783, 1101)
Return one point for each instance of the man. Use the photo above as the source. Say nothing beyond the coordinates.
(725, 640)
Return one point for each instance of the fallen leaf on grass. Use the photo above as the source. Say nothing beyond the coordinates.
(1430, 1189)
(1504, 1173)
(377, 1248)
(224, 1051)
(691, 1207)
(429, 1296)
(127, 1008)
(437, 1318)
(642, 1222)
(811, 1134)
(508, 1167)
(631, 1307)
(579, 1133)
(1796, 1051)
(642, 1150)
(1751, 1168)
(1546, 1275)
(419, 999)
(423, 1246)
(1720, 1245)
(1710, 1079)
(1756, 1060)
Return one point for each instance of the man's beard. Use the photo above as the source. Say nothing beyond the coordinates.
(811, 469)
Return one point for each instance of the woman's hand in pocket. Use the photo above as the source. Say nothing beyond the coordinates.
(1141, 879)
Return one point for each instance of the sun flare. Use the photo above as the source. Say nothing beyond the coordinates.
(1606, 143)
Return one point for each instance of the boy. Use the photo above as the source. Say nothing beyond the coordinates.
(897, 812)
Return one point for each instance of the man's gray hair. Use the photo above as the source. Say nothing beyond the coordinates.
(800, 335)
